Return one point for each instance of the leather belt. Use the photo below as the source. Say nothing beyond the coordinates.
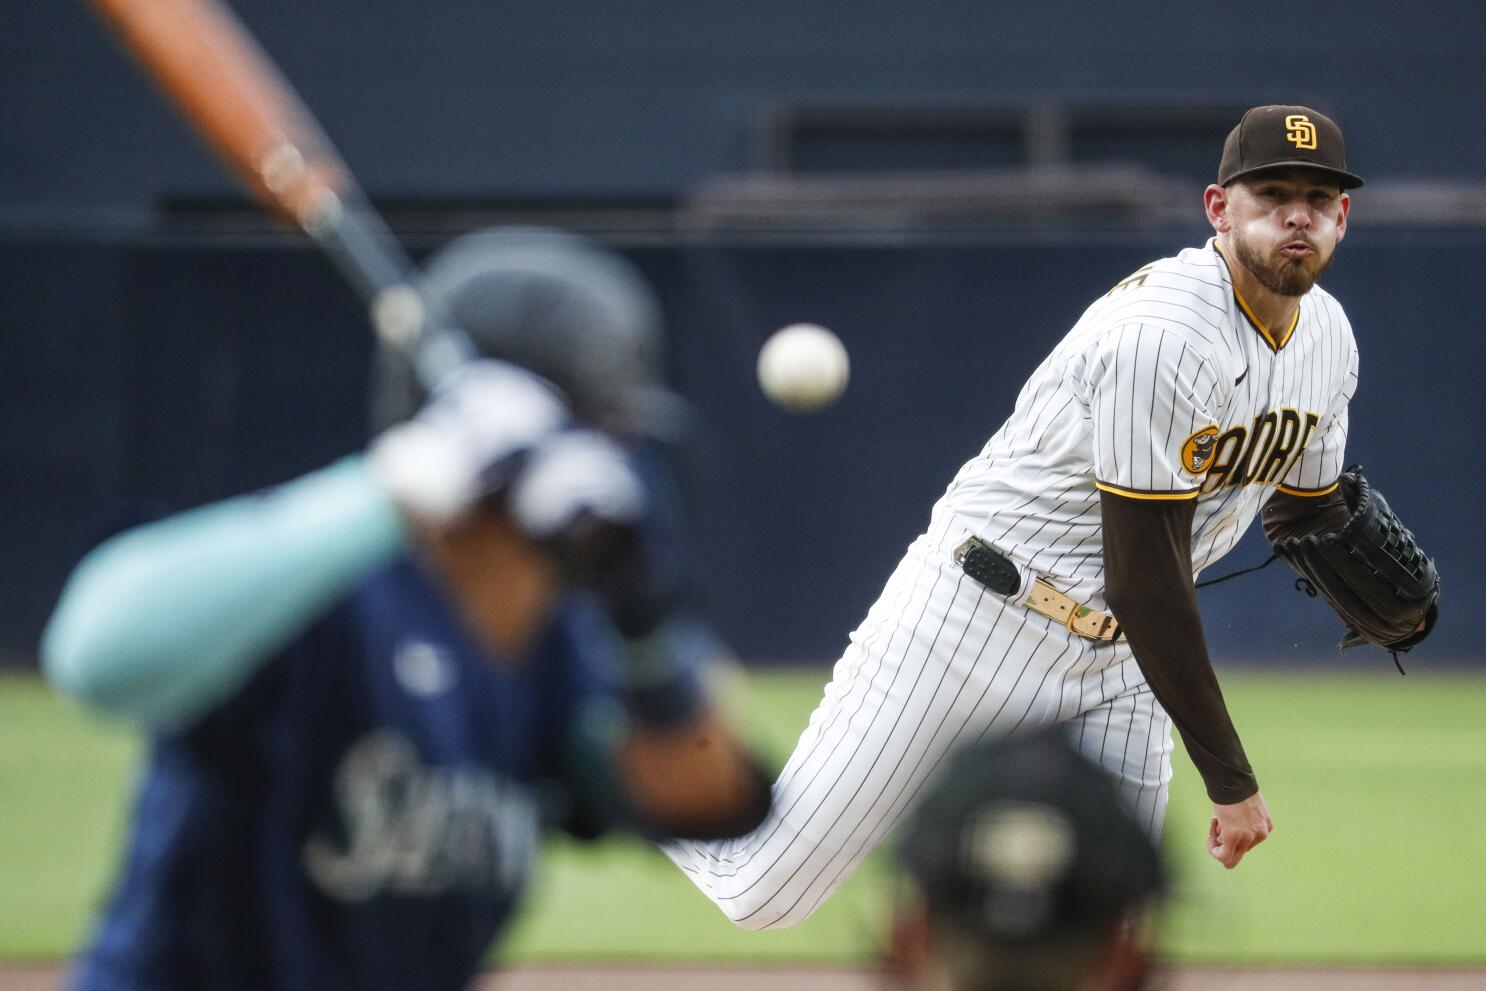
(993, 570)
(1078, 618)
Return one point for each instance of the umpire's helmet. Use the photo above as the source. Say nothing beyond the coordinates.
(555, 303)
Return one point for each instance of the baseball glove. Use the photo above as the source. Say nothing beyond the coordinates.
(1379, 581)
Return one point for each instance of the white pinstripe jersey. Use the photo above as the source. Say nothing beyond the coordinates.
(1166, 388)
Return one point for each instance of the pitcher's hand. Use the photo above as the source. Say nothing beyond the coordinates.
(1238, 828)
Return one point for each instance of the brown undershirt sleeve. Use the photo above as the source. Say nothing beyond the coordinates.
(1149, 588)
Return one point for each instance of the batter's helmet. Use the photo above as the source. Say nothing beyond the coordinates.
(575, 313)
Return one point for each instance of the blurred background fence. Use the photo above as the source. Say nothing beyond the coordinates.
(946, 185)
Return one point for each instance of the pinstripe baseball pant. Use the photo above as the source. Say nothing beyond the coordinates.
(939, 661)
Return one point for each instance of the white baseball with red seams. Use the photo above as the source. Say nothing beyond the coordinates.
(1166, 388)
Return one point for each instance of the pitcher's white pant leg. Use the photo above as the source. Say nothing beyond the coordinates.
(1130, 737)
(938, 661)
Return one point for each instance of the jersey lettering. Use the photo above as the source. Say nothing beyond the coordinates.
(1272, 469)
(1311, 419)
(1136, 278)
(1261, 453)
(1226, 453)
(1260, 439)
(415, 829)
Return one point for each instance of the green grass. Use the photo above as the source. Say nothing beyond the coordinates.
(1377, 785)
(63, 778)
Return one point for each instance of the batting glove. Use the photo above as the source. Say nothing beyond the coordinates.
(496, 430)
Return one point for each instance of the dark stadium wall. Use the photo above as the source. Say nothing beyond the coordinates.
(163, 372)
(459, 98)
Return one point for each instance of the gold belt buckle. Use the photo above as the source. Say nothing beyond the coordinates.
(1101, 631)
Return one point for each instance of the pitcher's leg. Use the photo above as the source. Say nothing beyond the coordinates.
(1130, 737)
(939, 661)
(890, 681)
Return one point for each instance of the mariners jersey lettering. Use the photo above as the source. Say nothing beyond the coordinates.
(1167, 388)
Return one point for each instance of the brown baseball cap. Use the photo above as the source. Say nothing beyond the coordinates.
(1277, 136)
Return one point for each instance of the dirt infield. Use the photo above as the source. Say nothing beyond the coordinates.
(743, 979)
(635, 978)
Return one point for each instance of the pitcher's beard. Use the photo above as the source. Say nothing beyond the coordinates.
(1280, 274)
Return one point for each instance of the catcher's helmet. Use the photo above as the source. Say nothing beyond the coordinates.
(557, 304)
(1023, 840)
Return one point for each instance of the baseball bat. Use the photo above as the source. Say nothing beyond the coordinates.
(209, 65)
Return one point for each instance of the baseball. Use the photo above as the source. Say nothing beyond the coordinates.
(803, 367)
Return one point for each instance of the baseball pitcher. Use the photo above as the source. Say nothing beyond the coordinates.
(1055, 582)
